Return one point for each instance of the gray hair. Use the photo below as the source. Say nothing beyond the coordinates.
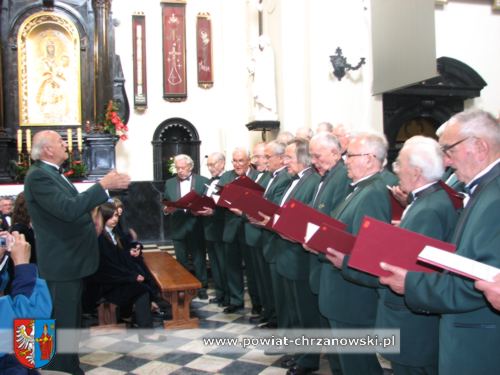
(327, 125)
(186, 158)
(376, 144)
(302, 151)
(425, 153)
(277, 147)
(218, 156)
(305, 129)
(39, 142)
(285, 137)
(328, 140)
(476, 123)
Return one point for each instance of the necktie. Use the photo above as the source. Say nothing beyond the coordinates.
(470, 186)
(410, 199)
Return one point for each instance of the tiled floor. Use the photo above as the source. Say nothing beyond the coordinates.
(184, 351)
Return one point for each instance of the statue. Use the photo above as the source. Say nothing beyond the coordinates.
(264, 81)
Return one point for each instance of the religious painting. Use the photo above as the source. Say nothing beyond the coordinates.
(204, 50)
(49, 71)
(174, 50)
(139, 56)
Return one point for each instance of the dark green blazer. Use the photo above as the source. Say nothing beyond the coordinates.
(182, 223)
(389, 178)
(343, 300)
(469, 328)
(431, 214)
(292, 261)
(253, 233)
(274, 193)
(66, 240)
(232, 222)
(213, 226)
(333, 191)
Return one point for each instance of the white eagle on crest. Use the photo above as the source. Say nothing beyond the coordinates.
(25, 343)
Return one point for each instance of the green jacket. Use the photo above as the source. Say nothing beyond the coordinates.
(232, 222)
(66, 240)
(274, 193)
(182, 223)
(292, 261)
(343, 300)
(469, 327)
(431, 214)
(333, 191)
(213, 226)
(253, 233)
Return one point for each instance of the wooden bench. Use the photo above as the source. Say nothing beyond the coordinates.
(177, 285)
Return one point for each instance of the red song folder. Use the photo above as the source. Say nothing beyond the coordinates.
(326, 236)
(396, 207)
(381, 242)
(184, 202)
(245, 182)
(456, 198)
(251, 204)
(230, 194)
(202, 202)
(294, 217)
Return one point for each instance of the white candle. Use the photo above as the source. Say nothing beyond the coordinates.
(79, 138)
(70, 140)
(28, 140)
(19, 141)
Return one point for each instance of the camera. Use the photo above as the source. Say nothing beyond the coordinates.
(3, 241)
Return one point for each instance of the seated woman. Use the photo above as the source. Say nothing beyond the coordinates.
(118, 277)
(21, 222)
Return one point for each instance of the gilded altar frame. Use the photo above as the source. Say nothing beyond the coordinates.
(49, 75)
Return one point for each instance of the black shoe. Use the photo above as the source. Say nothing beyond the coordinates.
(232, 309)
(268, 325)
(255, 319)
(256, 310)
(143, 338)
(287, 361)
(299, 370)
(202, 294)
(215, 300)
(223, 304)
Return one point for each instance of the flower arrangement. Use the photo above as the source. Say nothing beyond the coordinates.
(112, 123)
(171, 166)
(76, 169)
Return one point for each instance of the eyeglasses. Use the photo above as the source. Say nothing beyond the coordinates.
(353, 155)
(447, 148)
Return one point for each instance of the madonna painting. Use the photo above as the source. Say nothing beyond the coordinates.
(49, 71)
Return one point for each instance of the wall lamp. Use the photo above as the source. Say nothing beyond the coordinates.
(340, 64)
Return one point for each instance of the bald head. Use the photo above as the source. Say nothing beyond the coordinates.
(48, 145)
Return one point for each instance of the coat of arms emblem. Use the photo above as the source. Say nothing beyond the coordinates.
(34, 341)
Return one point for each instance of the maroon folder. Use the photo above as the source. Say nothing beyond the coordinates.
(202, 202)
(396, 207)
(230, 194)
(381, 242)
(251, 204)
(327, 236)
(185, 202)
(245, 182)
(293, 219)
(456, 198)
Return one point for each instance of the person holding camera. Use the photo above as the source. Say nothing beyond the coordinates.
(29, 296)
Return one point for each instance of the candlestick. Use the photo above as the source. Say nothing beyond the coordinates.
(28, 140)
(79, 139)
(70, 140)
(19, 141)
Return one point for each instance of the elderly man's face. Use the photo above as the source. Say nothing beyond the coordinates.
(215, 166)
(357, 161)
(406, 173)
(459, 153)
(259, 157)
(291, 161)
(6, 206)
(323, 158)
(274, 161)
(56, 148)
(183, 169)
(241, 162)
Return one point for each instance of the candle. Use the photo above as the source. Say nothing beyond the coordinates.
(79, 138)
(19, 141)
(70, 140)
(28, 140)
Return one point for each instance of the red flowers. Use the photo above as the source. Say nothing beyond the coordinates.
(113, 123)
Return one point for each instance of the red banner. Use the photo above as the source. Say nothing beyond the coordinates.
(204, 50)
(139, 53)
(174, 51)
